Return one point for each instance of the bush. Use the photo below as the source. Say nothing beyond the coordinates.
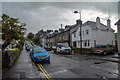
(14, 51)
(19, 46)
(84, 49)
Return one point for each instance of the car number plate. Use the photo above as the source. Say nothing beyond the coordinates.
(67, 51)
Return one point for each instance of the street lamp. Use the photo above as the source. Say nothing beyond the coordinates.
(80, 23)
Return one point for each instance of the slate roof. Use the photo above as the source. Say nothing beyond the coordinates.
(118, 22)
(92, 24)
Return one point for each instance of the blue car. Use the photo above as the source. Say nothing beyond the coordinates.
(47, 48)
(39, 54)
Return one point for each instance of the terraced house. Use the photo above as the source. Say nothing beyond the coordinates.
(62, 36)
(93, 33)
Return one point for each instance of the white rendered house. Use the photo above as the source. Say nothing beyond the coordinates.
(94, 33)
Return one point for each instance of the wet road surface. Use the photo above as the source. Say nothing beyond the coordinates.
(72, 66)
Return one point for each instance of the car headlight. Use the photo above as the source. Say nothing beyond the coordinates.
(46, 56)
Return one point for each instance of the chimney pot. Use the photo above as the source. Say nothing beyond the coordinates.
(108, 23)
(98, 22)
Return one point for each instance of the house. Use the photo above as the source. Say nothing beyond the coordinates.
(93, 33)
(64, 36)
(59, 36)
(118, 34)
(74, 28)
(41, 35)
(116, 46)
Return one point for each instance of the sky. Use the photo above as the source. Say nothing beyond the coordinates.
(50, 15)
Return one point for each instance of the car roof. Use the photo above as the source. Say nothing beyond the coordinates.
(38, 48)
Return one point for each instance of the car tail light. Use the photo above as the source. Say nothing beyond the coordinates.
(101, 48)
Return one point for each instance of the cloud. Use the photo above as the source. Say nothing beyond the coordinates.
(49, 15)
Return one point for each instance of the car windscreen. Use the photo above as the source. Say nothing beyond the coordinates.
(63, 45)
(39, 50)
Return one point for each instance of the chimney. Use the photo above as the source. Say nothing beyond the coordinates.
(78, 21)
(108, 23)
(98, 22)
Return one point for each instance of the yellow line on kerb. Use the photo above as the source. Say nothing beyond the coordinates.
(43, 70)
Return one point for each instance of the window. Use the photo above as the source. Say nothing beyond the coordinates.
(88, 43)
(83, 32)
(112, 42)
(74, 34)
(85, 43)
(94, 42)
(87, 32)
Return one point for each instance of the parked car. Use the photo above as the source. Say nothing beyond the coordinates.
(27, 47)
(39, 54)
(53, 47)
(31, 47)
(103, 49)
(62, 48)
(47, 48)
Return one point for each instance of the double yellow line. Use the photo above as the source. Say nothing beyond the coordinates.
(44, 72)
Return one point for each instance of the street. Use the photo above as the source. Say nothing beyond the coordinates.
(62, 66)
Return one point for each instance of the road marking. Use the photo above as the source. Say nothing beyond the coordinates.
(44, 72)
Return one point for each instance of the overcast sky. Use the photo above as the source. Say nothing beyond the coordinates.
(49, 15)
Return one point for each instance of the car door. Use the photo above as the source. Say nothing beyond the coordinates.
(32, 53)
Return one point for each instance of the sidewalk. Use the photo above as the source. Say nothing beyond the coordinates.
(23, 68)
(112, 58)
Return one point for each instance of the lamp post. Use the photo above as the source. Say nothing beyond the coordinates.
(80, 24)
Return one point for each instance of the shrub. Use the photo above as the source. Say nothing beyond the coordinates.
(14, 51)
(84, 49)
(18, 45)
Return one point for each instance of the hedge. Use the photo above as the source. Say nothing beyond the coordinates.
(15, 51)
(85, 49)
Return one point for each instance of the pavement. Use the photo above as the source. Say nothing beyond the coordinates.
(109, 57)
(23, 68)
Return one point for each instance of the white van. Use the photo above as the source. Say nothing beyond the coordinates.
(62, 48)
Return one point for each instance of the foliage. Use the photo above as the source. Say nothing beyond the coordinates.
(14, 51)
(19, 46)
(12, 29)
(30, 35)
(84, 49)
(36, 41)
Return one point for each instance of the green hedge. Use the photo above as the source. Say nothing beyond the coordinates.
(85, 49)
(14, 51)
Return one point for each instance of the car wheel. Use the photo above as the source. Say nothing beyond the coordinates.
(104, 53)
(48, 61)
(60, 52)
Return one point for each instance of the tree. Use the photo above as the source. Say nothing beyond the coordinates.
(36, 40)
(12, 29)
(30, 35)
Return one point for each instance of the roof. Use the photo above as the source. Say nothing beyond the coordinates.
(92, 24)
(118, 22)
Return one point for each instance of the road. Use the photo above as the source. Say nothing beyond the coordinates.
(62, 66)
(72, 66)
